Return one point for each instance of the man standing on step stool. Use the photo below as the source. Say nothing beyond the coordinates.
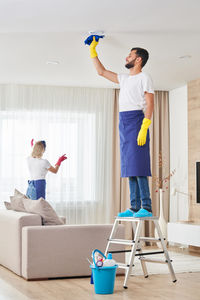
(136, 104)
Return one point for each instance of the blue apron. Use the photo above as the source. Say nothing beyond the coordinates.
(135, 160)
(36, 189)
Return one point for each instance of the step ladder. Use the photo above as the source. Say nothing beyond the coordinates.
(136, 247)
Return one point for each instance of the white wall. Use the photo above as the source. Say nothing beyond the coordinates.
(179, 152)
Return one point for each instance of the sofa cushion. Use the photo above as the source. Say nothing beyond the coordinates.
(44, 209)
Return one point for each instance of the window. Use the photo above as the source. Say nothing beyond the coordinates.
(71, 133)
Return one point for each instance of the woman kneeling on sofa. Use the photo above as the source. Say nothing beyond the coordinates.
(38, 168)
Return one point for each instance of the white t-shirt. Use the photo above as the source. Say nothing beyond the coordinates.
(132, 91)
(38, 167)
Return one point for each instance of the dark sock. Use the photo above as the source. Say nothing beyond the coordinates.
(149, 209)
(134, 210)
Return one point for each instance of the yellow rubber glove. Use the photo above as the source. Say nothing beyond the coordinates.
(142, 135)
(93, 52)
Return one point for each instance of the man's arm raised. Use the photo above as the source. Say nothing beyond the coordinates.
(101, 70)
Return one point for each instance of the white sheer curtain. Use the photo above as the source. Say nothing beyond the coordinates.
(75, 121)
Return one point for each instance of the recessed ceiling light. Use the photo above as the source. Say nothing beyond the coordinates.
(96, 32)
(185, 56)
(52, 62)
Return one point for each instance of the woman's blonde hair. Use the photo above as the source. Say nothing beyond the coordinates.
(38, 149)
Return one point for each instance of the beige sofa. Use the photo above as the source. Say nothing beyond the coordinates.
(34, 251)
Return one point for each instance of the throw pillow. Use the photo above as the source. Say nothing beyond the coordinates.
(19, 194)
(44, 209)
(17, 203)
(8, 205)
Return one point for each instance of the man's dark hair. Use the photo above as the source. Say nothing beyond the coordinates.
(143, 53)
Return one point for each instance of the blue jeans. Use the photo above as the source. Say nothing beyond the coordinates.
(139, 193)
(36, 189)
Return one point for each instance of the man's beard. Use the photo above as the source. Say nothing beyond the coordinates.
(130, 64)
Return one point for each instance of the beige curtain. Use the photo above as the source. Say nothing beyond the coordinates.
(120, 186)
(159, 143)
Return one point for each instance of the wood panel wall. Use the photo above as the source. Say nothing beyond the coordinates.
(193, 144)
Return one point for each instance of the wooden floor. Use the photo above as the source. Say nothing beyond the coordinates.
(155, 287)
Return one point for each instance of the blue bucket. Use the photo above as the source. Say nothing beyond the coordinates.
(103, 277)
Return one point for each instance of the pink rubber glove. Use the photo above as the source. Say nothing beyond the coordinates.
(32, 142)
(62, 158)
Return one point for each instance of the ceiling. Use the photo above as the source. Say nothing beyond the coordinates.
(33, 32)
